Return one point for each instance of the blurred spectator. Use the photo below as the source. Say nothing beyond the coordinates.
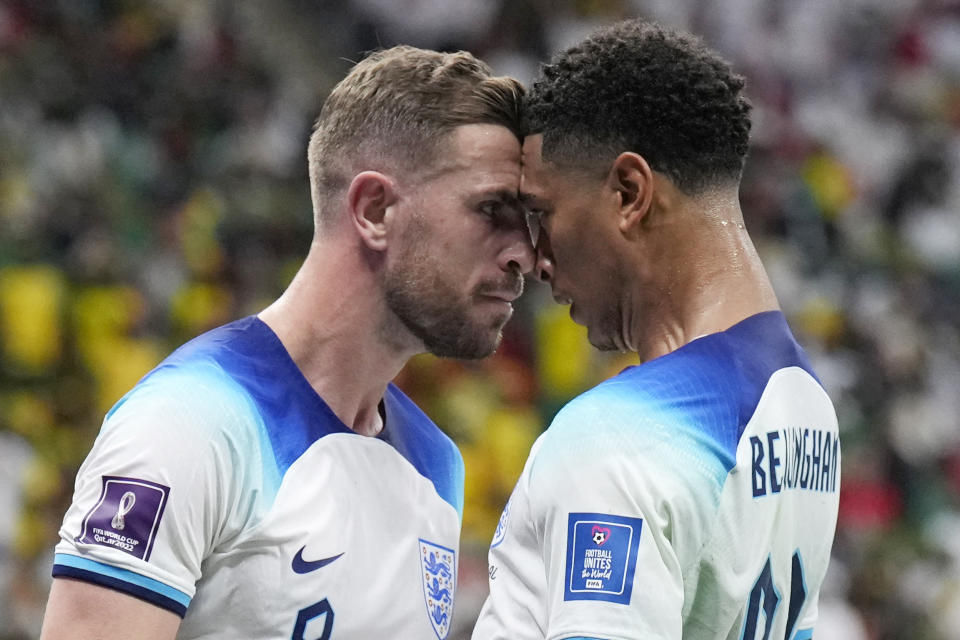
(153, 185)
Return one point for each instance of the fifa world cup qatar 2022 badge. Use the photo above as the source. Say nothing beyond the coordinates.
(127, 515)
(438, 566)
(601, 556)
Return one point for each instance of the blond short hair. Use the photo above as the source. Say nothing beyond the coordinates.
(393, 110)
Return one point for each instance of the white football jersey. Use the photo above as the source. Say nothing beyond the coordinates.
(694, 496)
(224, 489)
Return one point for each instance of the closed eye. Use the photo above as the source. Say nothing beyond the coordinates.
(502, 215)
(491, 209)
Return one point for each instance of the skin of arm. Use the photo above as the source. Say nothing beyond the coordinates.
(80, 610)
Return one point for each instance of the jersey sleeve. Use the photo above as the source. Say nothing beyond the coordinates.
(620, 503)
(166, 481)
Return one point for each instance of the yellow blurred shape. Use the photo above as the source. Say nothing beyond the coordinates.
(508, 436)
(465, 407)
(198, 238)
(41, 482)
(31, 301)
(16, 196)
(107, 310)
(563, 353)
(822, 319)
(104, 317)
(493, 466)
(478, 508)
(199, 307)
(128, 361)
(830, 183)
(32, 536)
(28, 415)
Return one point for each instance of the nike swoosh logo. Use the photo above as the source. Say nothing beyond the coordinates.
(306, 566)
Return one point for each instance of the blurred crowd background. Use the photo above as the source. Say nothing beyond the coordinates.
(153, 185)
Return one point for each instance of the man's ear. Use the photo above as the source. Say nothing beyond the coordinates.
(632, 178)
(369, 199)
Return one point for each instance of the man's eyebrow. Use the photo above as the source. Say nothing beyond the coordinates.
(527, 199)
(505, 195)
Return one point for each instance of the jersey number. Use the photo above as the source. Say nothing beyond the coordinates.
(764, 596)
(308, 614)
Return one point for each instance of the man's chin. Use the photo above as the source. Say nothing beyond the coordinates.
(604, 346)
(601, 340)
(597, 337)
(472, 348)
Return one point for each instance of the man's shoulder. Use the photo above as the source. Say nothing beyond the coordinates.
(417, 425)
(669, 391)
(198, 401)
(192, 381)
(195, 373)
(424, 445)
(235, 387)
(712, 383)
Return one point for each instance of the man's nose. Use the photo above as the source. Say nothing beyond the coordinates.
(518, 255)
(544, 268)
(543, 265)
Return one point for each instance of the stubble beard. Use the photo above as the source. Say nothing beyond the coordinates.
(434, 311)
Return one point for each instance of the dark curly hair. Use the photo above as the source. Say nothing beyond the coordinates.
(637, 86)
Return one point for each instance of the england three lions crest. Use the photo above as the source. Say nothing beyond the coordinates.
(438, 568)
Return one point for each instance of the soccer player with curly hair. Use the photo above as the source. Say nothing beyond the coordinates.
(695, 494)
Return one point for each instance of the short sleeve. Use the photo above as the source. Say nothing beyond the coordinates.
(620, 513)
(167, 479)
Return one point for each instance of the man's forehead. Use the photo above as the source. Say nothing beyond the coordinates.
(486, 141)
(479, 148)
(532, 150)
(533, 178)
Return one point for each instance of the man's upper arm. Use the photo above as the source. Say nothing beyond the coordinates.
(81, 610)
(153, 495)
(605, 502)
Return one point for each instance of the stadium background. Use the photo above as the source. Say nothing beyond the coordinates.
(153, 185)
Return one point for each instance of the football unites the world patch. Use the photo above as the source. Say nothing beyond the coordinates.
(601, 556)
(127, 515)
(438, 568)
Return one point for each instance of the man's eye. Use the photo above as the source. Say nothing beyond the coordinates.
(502, 216)
(491, 209)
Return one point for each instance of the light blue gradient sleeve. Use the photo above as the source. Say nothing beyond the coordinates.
(192, 436)
(626, 460)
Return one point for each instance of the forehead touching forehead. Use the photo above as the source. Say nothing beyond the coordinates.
(543, 182)
(533, 173)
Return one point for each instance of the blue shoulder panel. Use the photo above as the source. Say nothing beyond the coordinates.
(294, 416)
(756, 348)
(422, 443)
(716, 381)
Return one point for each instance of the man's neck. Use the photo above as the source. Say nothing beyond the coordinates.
(707, 290)
(328, 322)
